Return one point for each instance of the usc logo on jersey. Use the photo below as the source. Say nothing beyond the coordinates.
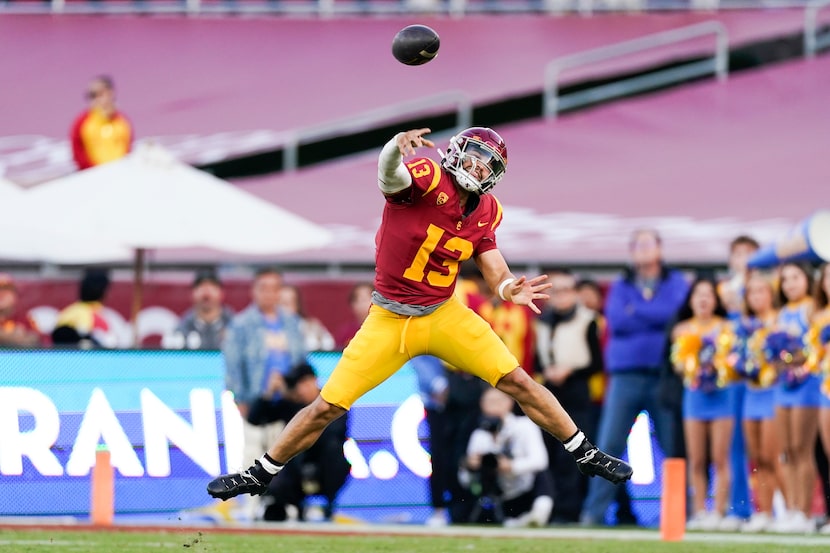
(442, 198)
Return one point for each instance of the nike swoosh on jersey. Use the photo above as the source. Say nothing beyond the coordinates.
(482, 223)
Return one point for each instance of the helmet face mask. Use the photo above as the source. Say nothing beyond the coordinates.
(471, 148)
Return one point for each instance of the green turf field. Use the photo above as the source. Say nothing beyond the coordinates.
(51, 541)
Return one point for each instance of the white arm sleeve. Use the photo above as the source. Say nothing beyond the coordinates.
(392, 175)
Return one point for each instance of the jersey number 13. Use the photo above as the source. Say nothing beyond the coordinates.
(417, 269)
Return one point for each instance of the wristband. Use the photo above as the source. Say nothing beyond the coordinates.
(503, 285)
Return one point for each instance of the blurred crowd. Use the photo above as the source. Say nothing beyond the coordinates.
(732, 371)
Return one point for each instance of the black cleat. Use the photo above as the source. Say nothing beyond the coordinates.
(238, 483)
(593, 462)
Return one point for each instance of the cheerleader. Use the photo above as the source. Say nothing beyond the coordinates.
(758, 412)
(697, 354)
(796, 396)
(819, 357)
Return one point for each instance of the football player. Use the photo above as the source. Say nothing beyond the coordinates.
(436, 216)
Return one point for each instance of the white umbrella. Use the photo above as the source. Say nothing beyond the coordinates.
(28, 235)
(150, 200)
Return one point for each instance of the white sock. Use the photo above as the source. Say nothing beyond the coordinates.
(270, 466)
(574, 441)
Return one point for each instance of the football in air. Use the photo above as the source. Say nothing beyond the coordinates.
(415, 45)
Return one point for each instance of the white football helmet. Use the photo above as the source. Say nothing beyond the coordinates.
(471, 147)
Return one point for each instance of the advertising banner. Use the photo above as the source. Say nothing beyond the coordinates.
(171, 427)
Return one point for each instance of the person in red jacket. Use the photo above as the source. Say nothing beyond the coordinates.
(101, 133)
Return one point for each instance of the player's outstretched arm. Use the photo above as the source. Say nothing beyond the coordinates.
(521, 290)
(392, 174)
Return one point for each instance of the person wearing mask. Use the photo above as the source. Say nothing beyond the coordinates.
(506, 464)
(640, 308)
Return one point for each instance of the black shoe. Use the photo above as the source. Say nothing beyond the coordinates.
(593, 462)
(238, 483)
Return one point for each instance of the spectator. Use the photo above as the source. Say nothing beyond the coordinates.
(820, 349)
(697, 355)
(101, 133)
(463, 413)
(506, 465)
(514, 325)
(569, 353)
(15, 331)
(463, 409)
(317, 337)
(797, 397)
(763, 444)
(203, 326)
(590, 294)
(731, 290)
(320, 470)
(472, 289)
(82, 323)
(433, 387)
(261, 345)
(360, 300)
(640, 308)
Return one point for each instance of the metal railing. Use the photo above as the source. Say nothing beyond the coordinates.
(554, 102)
(386, 115)
(813, 41)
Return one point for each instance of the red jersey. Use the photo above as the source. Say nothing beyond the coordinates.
(424, 236)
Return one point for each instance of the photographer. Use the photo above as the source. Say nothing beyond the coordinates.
(506, 466)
